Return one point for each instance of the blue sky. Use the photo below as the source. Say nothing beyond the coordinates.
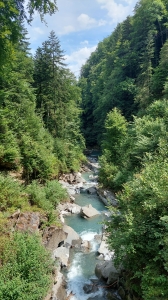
(80, 25)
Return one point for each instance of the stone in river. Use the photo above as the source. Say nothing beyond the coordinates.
(92, 190)
(89, 211)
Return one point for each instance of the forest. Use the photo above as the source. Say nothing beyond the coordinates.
(40, 138)
(47, 120)
(125, 111)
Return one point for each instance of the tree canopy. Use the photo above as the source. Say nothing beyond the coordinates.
(124, 100)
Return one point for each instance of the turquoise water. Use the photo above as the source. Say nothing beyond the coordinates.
(85, 199)
(80, 224)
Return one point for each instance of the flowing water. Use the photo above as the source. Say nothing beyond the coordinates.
(82, 265)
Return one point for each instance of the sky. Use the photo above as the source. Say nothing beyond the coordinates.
(80, 25)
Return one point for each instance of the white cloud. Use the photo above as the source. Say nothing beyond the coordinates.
(78, 58)
(85, 21)
(117, 11)
(82, 22)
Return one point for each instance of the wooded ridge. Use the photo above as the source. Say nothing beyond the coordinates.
(125, 110)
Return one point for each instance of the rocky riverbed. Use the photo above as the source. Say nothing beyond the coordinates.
(62, 241)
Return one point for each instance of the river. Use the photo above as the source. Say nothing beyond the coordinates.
(82, 267)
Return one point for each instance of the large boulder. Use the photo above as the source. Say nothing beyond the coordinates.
(53, 236)
(89, 211)
(69, 207)
(90, 288)
(62, 254)
(92, 190)
(104, 251)
(73, 238)
(78, 177)
(107, 197)
(85, 245)
(106, 270)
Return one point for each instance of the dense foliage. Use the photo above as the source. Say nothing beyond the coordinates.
(39, 139)
(125, 67)
(26, 269)
(125, 110)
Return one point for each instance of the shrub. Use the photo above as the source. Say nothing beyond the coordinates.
(26, 267)
(10, 195)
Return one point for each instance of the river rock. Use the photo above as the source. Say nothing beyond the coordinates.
(107, 271)
(98, 238)
(89, 211)
(58, 290)
(74, 208)
(85, 246)
(92, 190)
(107, 197)
(103, 250)
(73, 238)
(72, 199)
(69, 208)
(62, 253)
(90, 288)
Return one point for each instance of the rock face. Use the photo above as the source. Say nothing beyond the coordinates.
(58, 290)
(72, 178)
(27, 221)
(72, 182)
(73, 238)
(89, 211)
(62, 254)
(107, 197)
(104, 251)
(107, 271)
(53, 236)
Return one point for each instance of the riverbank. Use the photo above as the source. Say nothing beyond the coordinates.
(84, 242)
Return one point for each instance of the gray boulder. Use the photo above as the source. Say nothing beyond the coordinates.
(89, 211)
(107, 271)
(53, 236)
(73, 238)
(90, 288)
(92, 190)
(107, 197)
(85, 246)
(62, 254)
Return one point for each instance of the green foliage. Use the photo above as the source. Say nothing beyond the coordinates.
(25, 271)
(46, 197)
(55, 193)
(58, 100)
(11, 194)
(127, 70)
(113, 154)
(137, 234)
